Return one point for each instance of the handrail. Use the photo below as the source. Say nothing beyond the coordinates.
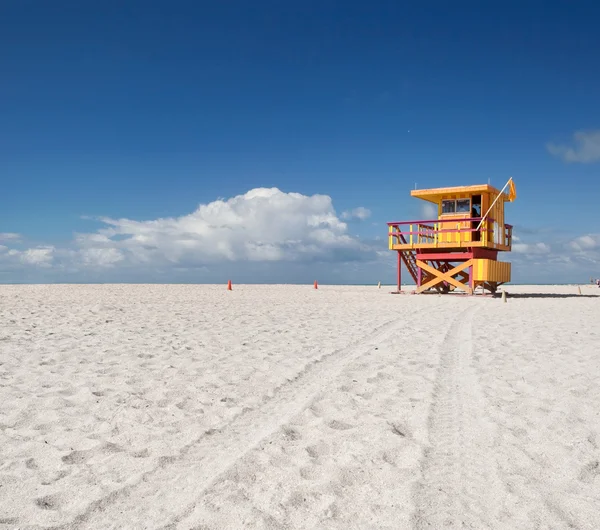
(441, 220)
(450, 231)
(421, 232)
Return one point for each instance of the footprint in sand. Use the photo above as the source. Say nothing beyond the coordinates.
(380, 376)
(399, 429)
(291, 434)
(311, 472)
(389, 458)
(143, 453)
(79, 457)
(164, 461)
(55, 477)
(340, 425)
(110, 448)
(316, 409)
(590, 471)
(298, 499)
(313, 451)
(316, 451)
(49, 502)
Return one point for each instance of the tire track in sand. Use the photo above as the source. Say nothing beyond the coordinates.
(179, 480)
(460, 486)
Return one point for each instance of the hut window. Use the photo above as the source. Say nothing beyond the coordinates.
(463, 206)
(448, 206)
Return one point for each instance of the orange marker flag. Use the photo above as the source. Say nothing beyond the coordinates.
(512, 190)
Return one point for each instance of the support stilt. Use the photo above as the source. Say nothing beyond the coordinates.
(447, 278)
(399, 271)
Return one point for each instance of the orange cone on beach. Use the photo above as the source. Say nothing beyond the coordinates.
(229, 285)
(316, 285)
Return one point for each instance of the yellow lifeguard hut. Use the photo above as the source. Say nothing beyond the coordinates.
(459, 249)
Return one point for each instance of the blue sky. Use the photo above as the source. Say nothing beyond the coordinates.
(123, 123)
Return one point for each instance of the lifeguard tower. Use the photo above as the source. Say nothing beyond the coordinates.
(458, 250)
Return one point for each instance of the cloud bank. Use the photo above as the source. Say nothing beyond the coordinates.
(555, 260)
(262, 225)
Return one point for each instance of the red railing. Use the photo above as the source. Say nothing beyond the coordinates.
(429, 231)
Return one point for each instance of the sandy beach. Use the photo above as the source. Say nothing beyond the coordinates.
(282, 407)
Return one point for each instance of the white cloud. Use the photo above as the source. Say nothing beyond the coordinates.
(531, 248)
(557, 260)
(587, 242)
(100, 257)
(586, 249)
(357, 213)
(429, 211)
(262, 225)
(9, 236)
(40, 256)
(586, 149)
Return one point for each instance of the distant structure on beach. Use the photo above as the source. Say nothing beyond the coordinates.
(458, 250)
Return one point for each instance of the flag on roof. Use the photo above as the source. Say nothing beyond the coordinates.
(512, 190)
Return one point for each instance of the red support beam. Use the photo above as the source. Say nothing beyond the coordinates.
(445, 256)
(399, 271)
(485, 253)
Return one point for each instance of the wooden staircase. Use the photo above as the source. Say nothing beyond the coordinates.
(409, 258)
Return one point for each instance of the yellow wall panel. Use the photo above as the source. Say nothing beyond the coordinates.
(488, 270)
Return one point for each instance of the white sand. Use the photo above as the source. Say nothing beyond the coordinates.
(285, 407)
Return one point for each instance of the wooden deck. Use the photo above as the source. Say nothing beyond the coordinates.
(454, 246)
